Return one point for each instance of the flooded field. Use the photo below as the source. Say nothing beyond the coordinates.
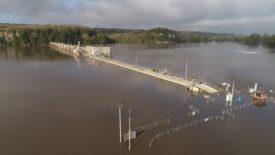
(53, 104)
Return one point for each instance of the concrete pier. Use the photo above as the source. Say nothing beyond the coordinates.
(191, 85)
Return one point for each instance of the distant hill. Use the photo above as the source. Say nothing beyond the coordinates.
(152, 36)
(162, 35)
(206, 33)
(36, 34)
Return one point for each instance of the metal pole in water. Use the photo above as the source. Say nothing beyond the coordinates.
(255, 87)
(232, 93)
(136, 59)
(119, 113)
(129, 134)
(186, 65)
(228, 122)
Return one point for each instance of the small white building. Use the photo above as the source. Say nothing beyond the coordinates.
(98, 51)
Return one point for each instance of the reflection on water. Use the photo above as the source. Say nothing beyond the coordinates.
(214, 62)
(51, 105)
(32, 52)
(259, 103)
(272, 51)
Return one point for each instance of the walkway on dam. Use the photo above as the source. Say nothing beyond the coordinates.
(166, 77)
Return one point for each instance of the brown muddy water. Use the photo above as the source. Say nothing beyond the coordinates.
(51, 104)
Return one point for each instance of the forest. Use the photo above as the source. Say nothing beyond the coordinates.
(41, 35)
(33, 35)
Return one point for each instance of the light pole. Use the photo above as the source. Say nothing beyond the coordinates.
(129, 134)
(119, 115)
(186, 65)
(136, 59)
(232, 93)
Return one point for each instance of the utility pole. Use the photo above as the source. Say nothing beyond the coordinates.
(119, 121)
(255, 87)
(136, 59)
(232, 93)
(129, 134)
(186, 65)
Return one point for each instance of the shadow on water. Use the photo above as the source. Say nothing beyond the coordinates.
(259, 103)
(271, 50)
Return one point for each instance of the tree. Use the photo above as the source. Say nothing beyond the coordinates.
(3, 42)
(85, 39)
(16, 41)
(254, 39)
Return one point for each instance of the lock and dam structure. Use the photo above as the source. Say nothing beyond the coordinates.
(104, 54)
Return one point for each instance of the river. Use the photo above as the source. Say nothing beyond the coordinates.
(54, 104)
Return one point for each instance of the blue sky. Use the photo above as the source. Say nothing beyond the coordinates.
(226, 16)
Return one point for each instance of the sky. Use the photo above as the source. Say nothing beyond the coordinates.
(221, 16)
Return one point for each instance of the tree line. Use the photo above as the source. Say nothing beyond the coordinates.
(163, 35)
(251, 40)
(152, 36)
(33, 35)
(42, 35)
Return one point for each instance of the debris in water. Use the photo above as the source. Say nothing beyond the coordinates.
(206, 96)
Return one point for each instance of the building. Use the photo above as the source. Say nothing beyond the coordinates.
(260, 95)
(98, 51)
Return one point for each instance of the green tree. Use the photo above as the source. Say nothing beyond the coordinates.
(3, 42)
(254, 39)
(16, 41)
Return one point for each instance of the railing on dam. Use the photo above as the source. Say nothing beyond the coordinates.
(180, 128)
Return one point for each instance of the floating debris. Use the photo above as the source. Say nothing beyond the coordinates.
(206, 97)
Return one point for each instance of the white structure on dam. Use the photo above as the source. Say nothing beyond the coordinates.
(98, 51)
(86, 50)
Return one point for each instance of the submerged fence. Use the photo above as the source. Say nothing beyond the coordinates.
(242, 106)
(188, 125)
(152, 125)
(236, 108)
(271, 100)
(205, 120)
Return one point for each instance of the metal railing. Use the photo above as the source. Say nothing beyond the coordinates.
(236, 108)
(152, 125)
(180, 128)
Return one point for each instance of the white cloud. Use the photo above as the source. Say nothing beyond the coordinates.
(205, 15)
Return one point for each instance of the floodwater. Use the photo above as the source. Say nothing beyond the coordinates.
(54, 104)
